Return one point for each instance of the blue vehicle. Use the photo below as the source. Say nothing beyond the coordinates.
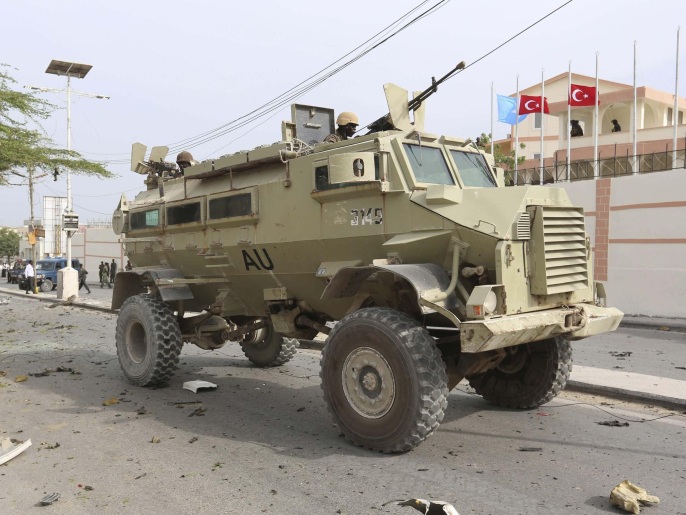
(46, 273)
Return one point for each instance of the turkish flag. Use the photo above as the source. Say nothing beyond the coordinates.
(529, 104)
(582, 96)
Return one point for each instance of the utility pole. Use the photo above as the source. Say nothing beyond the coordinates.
(32, 228)
(67, 278)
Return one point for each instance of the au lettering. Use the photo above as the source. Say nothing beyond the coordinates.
(264, 264)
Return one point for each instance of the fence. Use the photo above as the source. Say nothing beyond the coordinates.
(616, 166)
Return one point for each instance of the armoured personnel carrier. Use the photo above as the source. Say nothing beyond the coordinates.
(404, 247)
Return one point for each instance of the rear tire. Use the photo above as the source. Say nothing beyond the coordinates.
(46, 286)
(535, 373)
(267, 348)
(148, 340)
(384, 380)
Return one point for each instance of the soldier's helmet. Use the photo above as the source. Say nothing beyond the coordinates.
(347, 117)
(184, 157)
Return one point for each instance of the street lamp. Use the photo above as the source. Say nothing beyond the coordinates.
(67, 282)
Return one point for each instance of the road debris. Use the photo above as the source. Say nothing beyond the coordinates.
(67, 302)
(142, 475)
(20, 379)
(12, 448)
(613, 423)
(198, 412)
(194, 439)
(110, 401)
(50, 446)
(194, 386)
(424, 506)
(49, 499)
(155, 439)
(630, 497)
(531, 449)
(625, 354)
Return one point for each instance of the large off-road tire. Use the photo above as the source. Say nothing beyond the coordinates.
(46, 286)
(267, 348)
(384, 380)
(532, 374)
(148, 340)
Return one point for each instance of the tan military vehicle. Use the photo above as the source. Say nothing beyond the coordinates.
(403, 246)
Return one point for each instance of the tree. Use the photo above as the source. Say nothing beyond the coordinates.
(9, 242)
(23, 147)
(502, 159)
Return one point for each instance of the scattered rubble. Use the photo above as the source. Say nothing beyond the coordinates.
(630, 497)
(613, 423)
(194, 386)
(12, 448)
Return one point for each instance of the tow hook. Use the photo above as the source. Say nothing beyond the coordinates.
(576, 320)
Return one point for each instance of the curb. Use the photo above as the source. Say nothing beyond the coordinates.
(676, 326)
(673, 403)
(92, 307)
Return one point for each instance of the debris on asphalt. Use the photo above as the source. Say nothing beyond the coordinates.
(88, 488)
(630, 497)
(142, 475)
(2, 373)
(530, 449)
(613, 423)
(49, 499)
(625, 354)
(155, 439)
(67, 302)
(20, 379)
(50, 446)
(680, 368)
(198, 412)
(425, 506)
(11, 449)
(194, 439)
(141, 411)
(194, 386)
(664, 328)
(110, 401)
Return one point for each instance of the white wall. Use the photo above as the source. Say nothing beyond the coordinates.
(647, 241)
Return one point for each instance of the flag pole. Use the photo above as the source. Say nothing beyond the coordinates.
(596, 129)
(540, 159)
(569, 119)
(676, 99)
(634, 168)
(492, 100)
(516, 157)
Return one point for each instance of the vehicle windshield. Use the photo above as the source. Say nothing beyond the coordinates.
(428, 164)
(473, 169)
(45, 265)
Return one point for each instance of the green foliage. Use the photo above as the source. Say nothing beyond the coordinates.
(23, 147)
(9, 242)
(504, 160)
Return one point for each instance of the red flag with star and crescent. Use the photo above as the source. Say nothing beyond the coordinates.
(529, 105)
(581, 96)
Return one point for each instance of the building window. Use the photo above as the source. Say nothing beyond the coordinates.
(670, 117)
(183, 214)
(537, 120)
(228, 207)
(537, 155)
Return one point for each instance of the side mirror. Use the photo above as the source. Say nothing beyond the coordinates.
(351, 167)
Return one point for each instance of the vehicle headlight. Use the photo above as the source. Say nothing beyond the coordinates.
(40, 276)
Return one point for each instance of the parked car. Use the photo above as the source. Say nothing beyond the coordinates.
(46, 272)
(15, 271)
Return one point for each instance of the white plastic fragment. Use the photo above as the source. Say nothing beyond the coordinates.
(11, 450)
(194, 386)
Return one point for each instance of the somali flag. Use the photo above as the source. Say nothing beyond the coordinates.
(507, 110)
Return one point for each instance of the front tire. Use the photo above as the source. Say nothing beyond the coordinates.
(148, 340)
(46, 286)
(267, 348)
(531, 375)
(384, 380)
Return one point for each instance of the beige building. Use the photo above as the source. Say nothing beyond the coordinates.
(654, 131)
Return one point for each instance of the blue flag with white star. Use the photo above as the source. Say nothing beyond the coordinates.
(507, 110)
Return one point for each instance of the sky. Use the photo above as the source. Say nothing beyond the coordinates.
(175, 69)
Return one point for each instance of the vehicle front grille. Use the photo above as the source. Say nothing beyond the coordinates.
(559, 251)
(523, 226)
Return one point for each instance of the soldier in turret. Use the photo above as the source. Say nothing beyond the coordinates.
(347, 125)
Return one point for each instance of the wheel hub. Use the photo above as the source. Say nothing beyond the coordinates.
(515, 360)
(368, 383)
(135, 342)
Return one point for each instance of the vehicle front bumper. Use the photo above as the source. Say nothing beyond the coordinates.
(574, 322)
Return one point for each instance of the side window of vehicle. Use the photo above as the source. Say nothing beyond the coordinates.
(183, 214)
(145, 219)
(231, 206)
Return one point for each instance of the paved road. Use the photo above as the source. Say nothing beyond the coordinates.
(266, 444)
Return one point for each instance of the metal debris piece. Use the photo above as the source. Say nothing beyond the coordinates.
(49, 499)
(193, 386)
(10, 449)
(424, 506)
(531, 449)
(198, 412)
(194, 439)
(630, 497)
(613, 423)
(625, 354)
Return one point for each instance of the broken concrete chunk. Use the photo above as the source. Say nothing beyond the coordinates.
(630, 497)
(194, 386)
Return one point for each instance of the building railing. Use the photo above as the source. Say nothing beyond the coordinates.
(617, 166)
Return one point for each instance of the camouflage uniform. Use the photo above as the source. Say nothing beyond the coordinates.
(334, 138)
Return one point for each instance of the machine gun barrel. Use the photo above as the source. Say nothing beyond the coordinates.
(417, 101)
